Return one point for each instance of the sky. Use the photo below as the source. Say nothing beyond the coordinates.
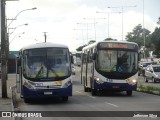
(76, 22)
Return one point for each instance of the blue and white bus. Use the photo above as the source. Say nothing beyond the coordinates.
(110, 66)
(44, 71)
(78, 58)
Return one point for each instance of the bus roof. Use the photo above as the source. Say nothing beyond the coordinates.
(44, 45)
(111, 41)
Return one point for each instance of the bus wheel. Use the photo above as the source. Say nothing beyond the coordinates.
(26, 100)
(93, 91)
(85, 89)
(129, 92)
(146, 80)
(65, 98)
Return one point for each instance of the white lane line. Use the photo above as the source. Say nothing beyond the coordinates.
(91, 96)
(78, 92)
(111, 104)
(86, 95)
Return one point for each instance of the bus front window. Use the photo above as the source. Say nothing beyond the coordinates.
(46, 63)
(35, 63)
(117, 61)
(58, 62)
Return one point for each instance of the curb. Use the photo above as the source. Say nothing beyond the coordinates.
(14, 102)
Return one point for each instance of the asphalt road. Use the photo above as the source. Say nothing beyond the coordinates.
(84, 101)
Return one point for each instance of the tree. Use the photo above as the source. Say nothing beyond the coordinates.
(81, 47)
(137, 35)
(156, 40)
(91, 41)
(107, 39)
(158, 21)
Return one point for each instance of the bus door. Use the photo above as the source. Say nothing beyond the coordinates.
(19, 76)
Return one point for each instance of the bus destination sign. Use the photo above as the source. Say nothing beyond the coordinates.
(117, 45)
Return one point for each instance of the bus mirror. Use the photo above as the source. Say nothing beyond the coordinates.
(94, 56)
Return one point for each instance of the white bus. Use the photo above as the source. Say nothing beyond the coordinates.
(44, 71)
(78, 58)
(110, 66)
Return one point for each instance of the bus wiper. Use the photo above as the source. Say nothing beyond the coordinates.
(39, 72)
(53, 71)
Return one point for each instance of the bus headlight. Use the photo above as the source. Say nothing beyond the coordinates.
(131, 81)
(156, 75)
(98, 80)
(134, 81)
(28, 84)
(68, 83)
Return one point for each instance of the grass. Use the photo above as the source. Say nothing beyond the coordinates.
(149, 89)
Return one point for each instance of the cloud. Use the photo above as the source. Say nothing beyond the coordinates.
(59, 18)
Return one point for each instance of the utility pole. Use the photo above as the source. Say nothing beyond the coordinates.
(3, 51)
(4, 44)
(45, 36)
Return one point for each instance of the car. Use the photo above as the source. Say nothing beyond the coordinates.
(73, 70)
(152, 73)
(142, 67)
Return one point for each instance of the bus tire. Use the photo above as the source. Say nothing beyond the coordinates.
(93, 92)
(65, 98)
(26, 100)
(146, 80)
(129, 92)
(85, 89)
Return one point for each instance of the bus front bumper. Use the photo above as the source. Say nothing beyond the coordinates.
(46, 93)
(114, 86)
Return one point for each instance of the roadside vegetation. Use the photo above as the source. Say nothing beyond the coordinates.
(149, 89)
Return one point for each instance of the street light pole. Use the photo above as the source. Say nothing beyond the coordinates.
(18, 15)
(15, 28)
(18, 35)
(94, 22)
(108, 14)
(8, 35)
(122, 8)
(86, 28)
(7, 39)
(82, 33)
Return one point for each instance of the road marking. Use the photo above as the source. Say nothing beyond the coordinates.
(111, 104)
(78, 92)
(86, 95)
(91, 96)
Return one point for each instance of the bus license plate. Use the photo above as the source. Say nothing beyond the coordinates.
(47, 93)
(115, 86)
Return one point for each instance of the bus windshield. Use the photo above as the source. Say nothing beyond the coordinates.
(46, 63)
(117, 61)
